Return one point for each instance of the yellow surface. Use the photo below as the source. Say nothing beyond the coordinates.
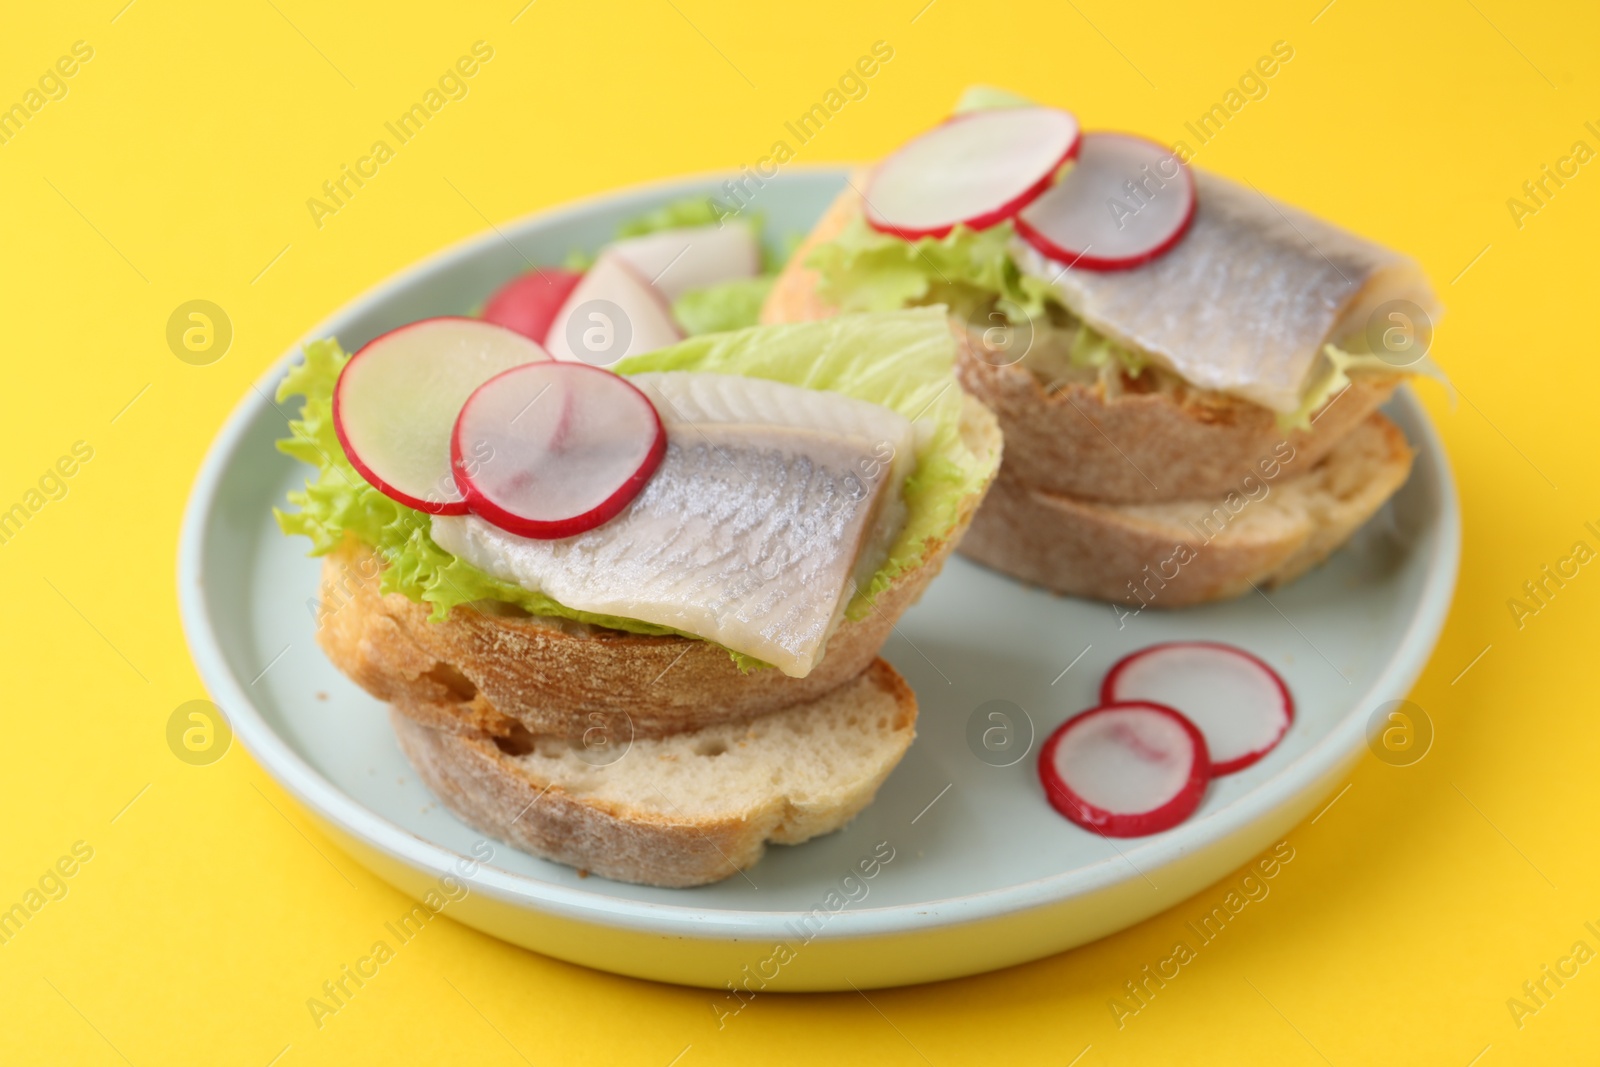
(177, 167)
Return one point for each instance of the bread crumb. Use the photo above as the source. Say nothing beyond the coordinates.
(321, 695)
(583, 872)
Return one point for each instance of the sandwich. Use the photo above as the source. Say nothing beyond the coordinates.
(1188, 374)
(628, 618)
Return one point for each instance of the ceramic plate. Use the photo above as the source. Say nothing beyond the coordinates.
(982, 874)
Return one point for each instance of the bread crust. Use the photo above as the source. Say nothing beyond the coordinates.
(1142, 444)
(476, 779)
(1166, 555)
(484, 670)
(793, 296)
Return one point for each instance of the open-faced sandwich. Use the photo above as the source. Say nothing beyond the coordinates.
(628, 618)
(1187, 372)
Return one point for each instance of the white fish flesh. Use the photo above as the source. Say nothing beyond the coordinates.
(772, 504)
(1244, 303)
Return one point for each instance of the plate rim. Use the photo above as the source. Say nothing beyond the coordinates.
(700, 921)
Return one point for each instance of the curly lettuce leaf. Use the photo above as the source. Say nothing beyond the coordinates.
(864, 270)
(1333, 376)
(732, 305)
(970, 271)
(902, 360)
(679, 214)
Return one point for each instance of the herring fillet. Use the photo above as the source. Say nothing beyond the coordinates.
(1245, 301)
(771, 504)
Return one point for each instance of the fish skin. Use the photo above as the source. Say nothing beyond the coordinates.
(1245, 301)
(752, 532)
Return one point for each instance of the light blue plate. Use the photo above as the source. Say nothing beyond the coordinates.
(984, 873)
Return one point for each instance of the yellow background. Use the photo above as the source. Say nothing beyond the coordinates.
(177, 167)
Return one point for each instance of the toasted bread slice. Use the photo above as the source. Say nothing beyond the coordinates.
(684, 810)
(1110, 437)
(1130, 440)
(487, 669)
(1178, 553)
(793, 296)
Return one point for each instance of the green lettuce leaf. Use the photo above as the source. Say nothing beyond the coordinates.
(864, 270)
(972, 273)
(690, 211)
(731, 305)
(903, 361)
(1333, 375)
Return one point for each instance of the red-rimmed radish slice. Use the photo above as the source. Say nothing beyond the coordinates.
(974, 169)
(676, 261)
(1239, 703)
(550, 450)
(1125, 770)
(529, 302)
(1125, 202)
(397, 399)
(614, 312)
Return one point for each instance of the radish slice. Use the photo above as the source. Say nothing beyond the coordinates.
(614, 312)
(1125, 770)
(550, 450)
(676, 261)
(529, 302)
(1238, 702)
(1125, 201)
(398, 397)
(975, 169)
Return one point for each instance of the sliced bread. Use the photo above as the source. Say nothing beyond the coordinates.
(1265, 531)
(1124, 439)
(683, 810)
(793, 296)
